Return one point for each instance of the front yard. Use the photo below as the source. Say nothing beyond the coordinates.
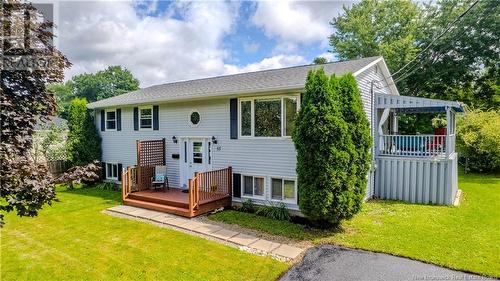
(465, 238)
(73, 240)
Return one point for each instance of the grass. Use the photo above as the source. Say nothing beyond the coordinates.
(73, 240)
(465, 238)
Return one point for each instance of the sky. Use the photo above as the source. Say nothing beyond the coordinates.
(160, 41)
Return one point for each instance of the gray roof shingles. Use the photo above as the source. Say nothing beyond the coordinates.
(243, 83)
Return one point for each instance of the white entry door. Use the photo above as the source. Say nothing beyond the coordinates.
(195, 158)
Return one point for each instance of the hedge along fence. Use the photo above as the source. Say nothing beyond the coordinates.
(478, 140)
(333, 140)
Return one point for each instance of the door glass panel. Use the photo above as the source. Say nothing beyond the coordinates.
(247, 185)
(289, 189)
(258, 186)
(276, 189)
(197, 152)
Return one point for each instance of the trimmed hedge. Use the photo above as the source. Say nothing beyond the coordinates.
(84, 142)
(333, 141)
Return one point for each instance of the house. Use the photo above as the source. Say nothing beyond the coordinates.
(221, 145)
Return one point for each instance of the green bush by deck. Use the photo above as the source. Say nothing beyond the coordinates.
(333, 141)
(84, 142)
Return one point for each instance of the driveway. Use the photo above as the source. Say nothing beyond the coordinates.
(332, 263)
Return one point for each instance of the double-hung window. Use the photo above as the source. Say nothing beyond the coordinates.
(111, 171)
(146, 117)
(268, 116)
(111, 119)
(253, 186)
(284, 190)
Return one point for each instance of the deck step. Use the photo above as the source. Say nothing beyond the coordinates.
(157, 207)
(153, 199)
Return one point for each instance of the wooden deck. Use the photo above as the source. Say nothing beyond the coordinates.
(174, 201)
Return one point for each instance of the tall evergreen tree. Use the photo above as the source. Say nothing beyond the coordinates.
(84, 142)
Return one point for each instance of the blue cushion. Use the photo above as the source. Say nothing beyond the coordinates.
(160, 178)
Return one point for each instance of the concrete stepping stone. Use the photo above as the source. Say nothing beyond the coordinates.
(123, 209)
(224, 234)
(163, 218)
(177, 222)
(207, 228)
(287, 251)
(191, 225)
(264, 245)
(149, 214)
(139, 213)
(243, 239)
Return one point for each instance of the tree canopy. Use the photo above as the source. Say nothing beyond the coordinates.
(24, 185)
(110, 82)
(461, 65)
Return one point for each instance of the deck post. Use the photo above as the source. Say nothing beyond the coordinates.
(230, 181)
(190, 196)
(448, 131)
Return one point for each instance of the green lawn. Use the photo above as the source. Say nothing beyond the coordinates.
(464, 238)
(73, 240)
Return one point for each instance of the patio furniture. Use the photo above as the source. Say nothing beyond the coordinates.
(160, 179)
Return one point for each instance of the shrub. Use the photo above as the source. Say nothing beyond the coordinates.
(333, 141)
(87, 174)
(84, 142)
(277, 212)
(478, 140)
(248, 206)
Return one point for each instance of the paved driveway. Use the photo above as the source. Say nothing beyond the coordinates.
(333, 263)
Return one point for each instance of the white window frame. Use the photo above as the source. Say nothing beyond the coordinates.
(243, 195)
(283, 179)
(107, 171)
(252, 112)
(106, 119)
(152, 117)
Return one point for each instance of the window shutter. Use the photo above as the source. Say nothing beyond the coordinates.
(103, 120)
(301, 98)
(237, 185)
(119, 171)
(136, 119)
(118, 119)
(103, 170)
(233, 117)
(156, 117)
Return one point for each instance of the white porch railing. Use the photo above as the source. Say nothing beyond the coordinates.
(416, 145)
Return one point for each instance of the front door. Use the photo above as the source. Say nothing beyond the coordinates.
(195, 158)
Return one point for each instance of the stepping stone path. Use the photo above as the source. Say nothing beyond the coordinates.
(243, 241)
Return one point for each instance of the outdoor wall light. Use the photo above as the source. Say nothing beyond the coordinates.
(174, 139)
(214, 140)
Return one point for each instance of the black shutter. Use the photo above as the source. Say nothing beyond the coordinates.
(103, 120)
(156, 117)
(119, 171)
(136, 119)
(233, 117)
(118, 119)
(301, 98)
(237, 185)
(103, 170)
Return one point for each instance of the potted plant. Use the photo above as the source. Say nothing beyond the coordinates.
(439, 124)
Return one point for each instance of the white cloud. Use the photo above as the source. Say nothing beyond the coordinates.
(328, 55)
(298, 22)
(277, 61)
(156, 49)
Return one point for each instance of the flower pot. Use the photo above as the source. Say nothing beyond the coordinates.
(440, 131)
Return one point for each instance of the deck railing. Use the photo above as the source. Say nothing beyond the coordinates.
(416, 145)
(129, 181)
(209, 185)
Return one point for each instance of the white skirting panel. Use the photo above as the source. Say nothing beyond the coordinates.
(417, 180)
